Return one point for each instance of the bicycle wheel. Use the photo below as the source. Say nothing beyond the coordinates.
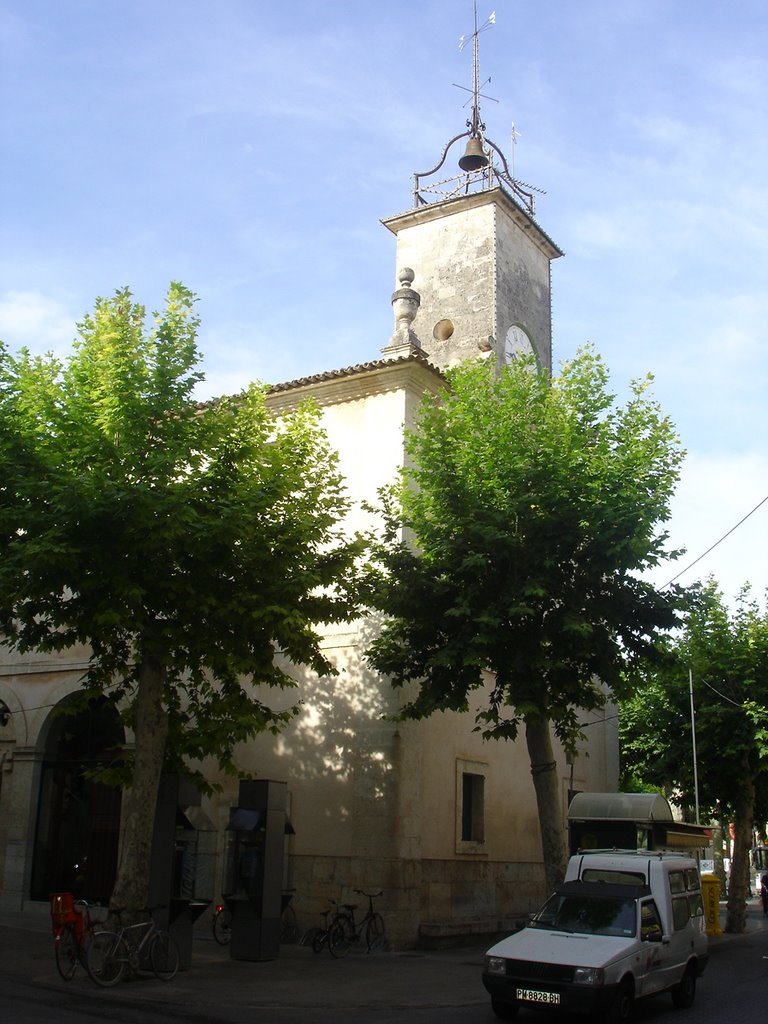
(106, 958)
(374, 933)
(222, 926)
(67, 949)
(164, 956)
(319, 939)
(340, 935)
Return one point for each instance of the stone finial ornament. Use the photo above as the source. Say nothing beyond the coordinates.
(405, 306)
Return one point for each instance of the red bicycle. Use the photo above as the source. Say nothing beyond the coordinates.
(73, 928)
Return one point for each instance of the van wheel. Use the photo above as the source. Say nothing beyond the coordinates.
(622, 1006)
(504, 1011)
(684, 993)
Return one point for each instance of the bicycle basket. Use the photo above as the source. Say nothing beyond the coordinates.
(63, 909)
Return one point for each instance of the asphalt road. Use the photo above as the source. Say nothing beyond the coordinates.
(427, 988)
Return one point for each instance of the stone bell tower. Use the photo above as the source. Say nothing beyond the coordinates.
(481, 261)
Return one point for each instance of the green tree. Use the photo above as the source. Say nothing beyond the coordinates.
(725, 652)
(186, 544)
(530, 507)
(655, 737)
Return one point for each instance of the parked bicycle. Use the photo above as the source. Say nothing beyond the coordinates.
(221, 924)
(73, 928)
(112, 955)
(344, 929)
(320, 935)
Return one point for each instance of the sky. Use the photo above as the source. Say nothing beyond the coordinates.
(251, 149)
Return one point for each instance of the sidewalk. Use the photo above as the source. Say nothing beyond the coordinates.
(757, 922)
(299, 978)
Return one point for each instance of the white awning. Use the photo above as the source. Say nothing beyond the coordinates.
(639, 807)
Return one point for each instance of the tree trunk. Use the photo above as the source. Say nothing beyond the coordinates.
(717, 851)
(546, 784)
(738, 889)
(131, 889)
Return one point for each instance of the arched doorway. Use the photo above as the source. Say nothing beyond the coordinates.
(78, 819)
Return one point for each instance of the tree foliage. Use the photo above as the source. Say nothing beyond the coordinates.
(655, 734)
(185, 544)
(515, 544)
(724, 652)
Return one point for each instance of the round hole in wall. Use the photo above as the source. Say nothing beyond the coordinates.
(443, 330)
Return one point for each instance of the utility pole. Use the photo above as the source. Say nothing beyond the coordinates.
(693, 738)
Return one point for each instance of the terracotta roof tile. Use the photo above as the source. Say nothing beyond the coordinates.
(350, 371)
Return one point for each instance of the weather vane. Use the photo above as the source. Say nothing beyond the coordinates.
(475, 125)
(479, 171)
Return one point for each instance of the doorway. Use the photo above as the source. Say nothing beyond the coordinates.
(78, 820)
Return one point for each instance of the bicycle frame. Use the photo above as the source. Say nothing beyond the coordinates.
(129, 949)
(128, 934)
(344, 928)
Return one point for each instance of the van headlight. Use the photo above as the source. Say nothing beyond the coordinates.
(588, 976)
(495, 965)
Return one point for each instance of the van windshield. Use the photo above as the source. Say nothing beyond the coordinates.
(588, 915)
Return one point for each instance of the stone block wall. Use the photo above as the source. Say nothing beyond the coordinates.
(422, 900)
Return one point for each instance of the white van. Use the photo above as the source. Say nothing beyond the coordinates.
(623, 925)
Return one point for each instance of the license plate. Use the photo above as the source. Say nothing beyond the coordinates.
(533, 995)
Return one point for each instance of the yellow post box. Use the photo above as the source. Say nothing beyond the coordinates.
(710, 891)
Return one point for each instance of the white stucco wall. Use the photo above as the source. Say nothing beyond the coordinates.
(374, 803)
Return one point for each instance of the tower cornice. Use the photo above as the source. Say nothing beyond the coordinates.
(498, 196)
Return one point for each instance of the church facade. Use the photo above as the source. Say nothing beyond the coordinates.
(442, 822)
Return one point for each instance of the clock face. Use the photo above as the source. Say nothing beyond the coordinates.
(517, 343)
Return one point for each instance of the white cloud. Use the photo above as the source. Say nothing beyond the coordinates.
(717, 492)
(36, 321)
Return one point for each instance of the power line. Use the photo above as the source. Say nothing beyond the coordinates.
(712, 548)
(735, 703)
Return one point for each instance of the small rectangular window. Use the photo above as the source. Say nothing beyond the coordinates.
(696, 905)
(681, 912)
(470, 806)
(692, 880)
(676, 882)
